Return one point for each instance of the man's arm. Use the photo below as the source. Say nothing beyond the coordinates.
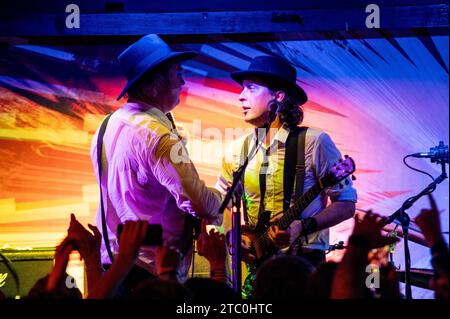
(334, 214)
(349, 278)
(174, 170)
(130, 241)
(343, 199)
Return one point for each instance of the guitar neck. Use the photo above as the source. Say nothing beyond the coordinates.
(300, 205)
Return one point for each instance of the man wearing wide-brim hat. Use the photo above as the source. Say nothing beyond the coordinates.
(272, 99)
(146, 172)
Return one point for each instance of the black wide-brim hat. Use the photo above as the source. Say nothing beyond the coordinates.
(145, 54)
(276, 72)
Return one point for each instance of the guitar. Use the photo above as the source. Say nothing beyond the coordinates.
(256, 244)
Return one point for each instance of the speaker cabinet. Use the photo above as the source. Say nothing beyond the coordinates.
(30, 265)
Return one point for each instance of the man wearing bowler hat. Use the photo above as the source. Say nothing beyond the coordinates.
(146, 173)
(276, 175)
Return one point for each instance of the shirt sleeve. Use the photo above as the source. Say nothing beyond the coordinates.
(326, 155)
(173, 168)
(225, 179)
(230, 163)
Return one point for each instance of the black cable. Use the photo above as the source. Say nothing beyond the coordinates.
(338, 246)
(415, 169)
(414, 198)
(10, 267)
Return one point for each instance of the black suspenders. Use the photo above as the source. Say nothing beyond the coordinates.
(294, 169)
(101, 133)
(294, 166)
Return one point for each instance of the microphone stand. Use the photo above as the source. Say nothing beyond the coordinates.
(235, 227)
(236, 217)
(404, 220)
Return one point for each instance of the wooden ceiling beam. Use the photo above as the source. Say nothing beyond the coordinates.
(431, 17)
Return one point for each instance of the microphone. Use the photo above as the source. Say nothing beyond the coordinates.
(436, 154)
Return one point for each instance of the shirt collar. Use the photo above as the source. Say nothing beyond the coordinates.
(282, 134)
(154, 112)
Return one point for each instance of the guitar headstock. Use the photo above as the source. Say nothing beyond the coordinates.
(344, 168)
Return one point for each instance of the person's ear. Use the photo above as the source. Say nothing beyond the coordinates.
(279, 96)
(152, 90)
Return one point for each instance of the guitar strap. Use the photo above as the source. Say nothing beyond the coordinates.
(294, 169)
(294, 165)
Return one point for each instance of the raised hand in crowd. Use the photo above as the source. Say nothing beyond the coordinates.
(130, 241)
(369, 228)
(88, 245)
(212, 246)
(350, 277)
(55, 285)
(167, 261)
(429, 223)
(389, 284)
(58, 273)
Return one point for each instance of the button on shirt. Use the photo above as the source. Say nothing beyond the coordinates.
(320, 155)
(147, 175)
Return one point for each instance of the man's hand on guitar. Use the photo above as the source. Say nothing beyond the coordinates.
(280, 238)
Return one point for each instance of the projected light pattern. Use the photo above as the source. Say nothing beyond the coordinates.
(379, 99)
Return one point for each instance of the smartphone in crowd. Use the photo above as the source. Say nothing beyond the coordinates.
(153, 236)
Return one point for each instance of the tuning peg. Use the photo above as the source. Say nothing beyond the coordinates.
(341, 186)
(334, 165)
(346, 156)
(340, 160)
(346, 182)
(353, 177)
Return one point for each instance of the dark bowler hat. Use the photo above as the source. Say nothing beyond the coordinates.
(145, 54)
(273, 70)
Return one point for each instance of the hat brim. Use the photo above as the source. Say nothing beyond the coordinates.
(266, 77)
(178, 56)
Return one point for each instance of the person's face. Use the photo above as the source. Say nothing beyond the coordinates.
(170, 90)
(255, 98)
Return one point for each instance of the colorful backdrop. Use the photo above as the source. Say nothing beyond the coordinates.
(379, 99)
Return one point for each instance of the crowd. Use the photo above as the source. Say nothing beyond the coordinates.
(280, 277)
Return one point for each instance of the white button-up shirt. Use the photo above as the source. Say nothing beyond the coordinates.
(147, 175)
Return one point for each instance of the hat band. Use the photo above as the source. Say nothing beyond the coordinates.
(150, 60)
